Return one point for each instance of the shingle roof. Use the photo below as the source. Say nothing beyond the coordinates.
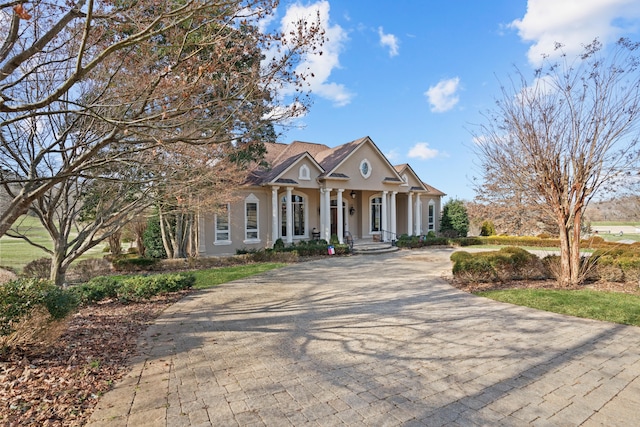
(281, 156)
(332, 157)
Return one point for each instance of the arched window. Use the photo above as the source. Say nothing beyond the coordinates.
(251, 209)
(376, 213)
(299, 216)
(432, 215)
(303, 173)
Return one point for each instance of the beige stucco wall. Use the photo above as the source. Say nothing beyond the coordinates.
(358, 224)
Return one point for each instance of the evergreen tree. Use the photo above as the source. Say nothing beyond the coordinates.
(152, 237)
(455, 221)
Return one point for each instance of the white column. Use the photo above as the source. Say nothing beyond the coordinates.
(327, 215)
(275, 229)
(340, 225)
(410, 214)
(393, 216)
(289, 210)
(383, 220)
(418, 215)
(202, 242)
(322, 218)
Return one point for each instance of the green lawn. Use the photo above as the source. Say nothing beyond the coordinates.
(607, 306)
(16, 253)
(609, 223)
(215, 276)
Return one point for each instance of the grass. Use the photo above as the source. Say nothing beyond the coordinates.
(609, 223)
(16, 253)
(606, 306)
(216, 276)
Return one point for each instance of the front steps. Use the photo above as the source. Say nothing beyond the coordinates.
(373, 248)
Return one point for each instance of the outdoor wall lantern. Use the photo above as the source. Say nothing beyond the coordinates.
(352, 210)
(353, 195)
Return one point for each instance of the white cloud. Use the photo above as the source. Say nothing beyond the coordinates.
(422, 151)
(318, 67)
(443, 96)
(392, 155)
(390, 41)
(574, 23)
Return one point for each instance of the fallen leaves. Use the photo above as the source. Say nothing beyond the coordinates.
(59, 385)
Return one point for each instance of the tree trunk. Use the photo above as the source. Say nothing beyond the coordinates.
(114, 243)
(571, 271)
(577, 270)
(179, 237)
(58, 271)
(166, 241)
(564, 280)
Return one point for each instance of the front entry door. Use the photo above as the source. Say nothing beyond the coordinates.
(334, 217)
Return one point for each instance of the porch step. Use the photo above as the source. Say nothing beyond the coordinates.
(373, 248)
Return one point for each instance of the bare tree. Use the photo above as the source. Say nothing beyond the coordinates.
(568, 135)
(191, 179)
(139, 75)
(79, 214)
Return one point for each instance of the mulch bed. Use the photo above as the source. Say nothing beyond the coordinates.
(59, 384)
(627, 288)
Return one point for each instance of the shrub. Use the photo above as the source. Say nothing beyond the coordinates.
(137, 288)
(618, 264)
(508, 263)
(86, 269)
(133, 263)
(279, 244)
(38, 269)
(97, 289)
(21, 298)
(487, 229)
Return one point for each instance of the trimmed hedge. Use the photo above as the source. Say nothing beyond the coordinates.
(131, 288)
(405, 241)
(620, 264)
(312, 248)
(509, 263)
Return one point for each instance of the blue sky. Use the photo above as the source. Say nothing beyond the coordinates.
(416, 75)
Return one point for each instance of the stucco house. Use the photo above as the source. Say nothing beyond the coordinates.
(314, 191)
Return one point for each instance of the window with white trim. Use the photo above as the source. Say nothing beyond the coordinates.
(432, 212)
(365, 168)
(222, 225)
(303, 173)
(251, 209)
(298, 206)
(376, 213)
(405, 180)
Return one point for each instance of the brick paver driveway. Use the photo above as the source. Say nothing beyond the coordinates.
(368, 340)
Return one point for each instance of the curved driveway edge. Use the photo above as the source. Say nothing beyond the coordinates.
(372, 341)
